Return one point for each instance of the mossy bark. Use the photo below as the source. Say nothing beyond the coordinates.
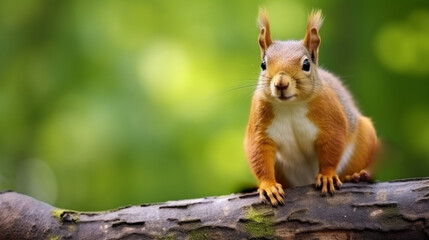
(386, 210)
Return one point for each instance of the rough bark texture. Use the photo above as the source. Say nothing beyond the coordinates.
(387, 210)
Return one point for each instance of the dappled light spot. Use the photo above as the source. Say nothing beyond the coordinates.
(178, 77)
(402, 46)
(164, 71)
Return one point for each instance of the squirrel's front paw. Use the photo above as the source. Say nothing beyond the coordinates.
(328, 182)
(274, 192)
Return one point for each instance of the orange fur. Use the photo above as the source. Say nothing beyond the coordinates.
(326, 112)
(366, 147)
(259, 148)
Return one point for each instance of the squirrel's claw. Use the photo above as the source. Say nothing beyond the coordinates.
(328, 183)
(272, 193)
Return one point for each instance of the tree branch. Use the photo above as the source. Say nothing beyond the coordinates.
(386, 210)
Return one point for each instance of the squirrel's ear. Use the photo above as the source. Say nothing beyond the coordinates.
(264, 38)
(312, 38)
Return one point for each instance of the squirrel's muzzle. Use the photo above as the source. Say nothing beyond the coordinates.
(281, 86)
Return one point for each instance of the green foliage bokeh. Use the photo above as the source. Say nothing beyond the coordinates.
(110, 103)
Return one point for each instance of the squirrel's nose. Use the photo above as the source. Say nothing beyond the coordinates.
(280, 86)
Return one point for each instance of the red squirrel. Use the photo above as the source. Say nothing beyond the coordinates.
(304, 125)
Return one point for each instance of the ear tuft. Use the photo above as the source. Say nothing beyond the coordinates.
(315, 20)
(264, 38)
(263, 20)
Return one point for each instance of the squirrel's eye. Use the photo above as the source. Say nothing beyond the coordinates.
(306, 65)
(263, 65)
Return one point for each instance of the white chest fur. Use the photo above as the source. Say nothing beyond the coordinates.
(295, 135)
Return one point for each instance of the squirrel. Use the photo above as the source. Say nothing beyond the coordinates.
(304, 125)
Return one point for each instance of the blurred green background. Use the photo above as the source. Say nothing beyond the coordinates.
(111, 103)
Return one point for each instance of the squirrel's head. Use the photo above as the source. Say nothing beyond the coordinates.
(289, 68)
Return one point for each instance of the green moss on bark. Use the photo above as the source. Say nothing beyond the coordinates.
(259, 223)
